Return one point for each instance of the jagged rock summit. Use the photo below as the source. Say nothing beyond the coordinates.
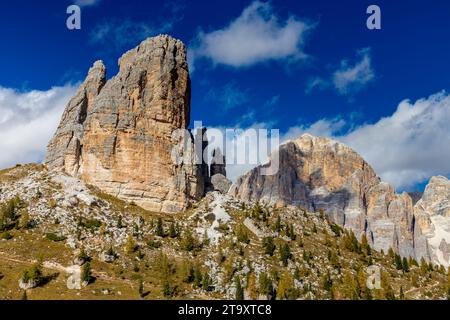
(117, 134)
(322, 174)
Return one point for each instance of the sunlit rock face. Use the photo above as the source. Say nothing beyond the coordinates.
(320, 173)
(117, 134)
(432, 222)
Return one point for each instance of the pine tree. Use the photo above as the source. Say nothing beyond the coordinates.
(286, 289)
(239, 290)
(86, 273)
(285, 254)
(206, 281)
(198, 277)
(269, 246)
(24, 221)
(173, 231)
(365, 248)
(398, 262)
(188, 241)
(159, 228)
(405, 265)
(141, 288)
(120, 222)
(391, 253)
(326, 281)
(265, 284)
(242, 235)
(251, 286)
(187, 271)
(402, 294)
(130, 246)
(278, 224)
(24, 295)
(388, 293)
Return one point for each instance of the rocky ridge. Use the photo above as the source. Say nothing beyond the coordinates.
(322, 174)
(117, 134)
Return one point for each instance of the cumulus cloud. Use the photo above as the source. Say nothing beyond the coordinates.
(121, 34)
(405, 148)
(349, 78)
(257, 35)
(116, 35)
(28, 121)
(228, 96)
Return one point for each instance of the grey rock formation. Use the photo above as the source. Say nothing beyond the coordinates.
(64, 149)
(118, 134)
(218, 164)
(319, 173)
(220, 183)
(432, 222)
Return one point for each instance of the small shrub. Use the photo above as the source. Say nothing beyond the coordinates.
(54, 237)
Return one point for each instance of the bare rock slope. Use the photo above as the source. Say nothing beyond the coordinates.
(117, 134)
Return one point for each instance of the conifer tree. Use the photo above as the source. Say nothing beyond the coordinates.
(269, 246)
(130, 246)
(265, 284)
(159, 228)
(278, 224)
(239, 295)
(173, 231)
(198, 277)
(327, 283)
(285, 254)
(405, 265)
(402, 294)
(365, 248)
(206, 281)
(251, 286)
(398, 262)
(86, 273)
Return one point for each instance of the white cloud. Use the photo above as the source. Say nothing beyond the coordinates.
(119, 35)
(227, 97)
(257, 35)
(27, 122)
(352, 78)
(316, 83)
(405, 148)
(87, 3)
(349, 78)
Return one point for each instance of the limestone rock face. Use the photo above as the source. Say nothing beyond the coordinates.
(319, 173)
(118, 134)
(64, 149)
(218, 163)
(432, 222)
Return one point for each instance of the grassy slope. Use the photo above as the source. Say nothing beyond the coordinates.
(121, 278)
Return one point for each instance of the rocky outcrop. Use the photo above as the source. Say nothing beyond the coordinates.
(319, 173)
(218, 164)
(64, 150)
(432, 222)
(118, 134)
(220, 183)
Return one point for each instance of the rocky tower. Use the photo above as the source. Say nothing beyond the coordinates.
(218, 165)
(319, 173)
(117, 134)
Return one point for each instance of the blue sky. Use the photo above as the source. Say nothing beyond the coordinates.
(288, 64)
